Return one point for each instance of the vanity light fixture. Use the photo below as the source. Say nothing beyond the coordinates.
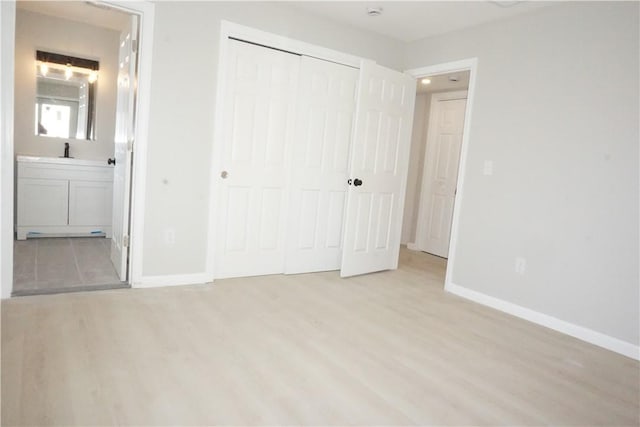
(67, 65)
(425, 81)
(68, 73)
(68, 70)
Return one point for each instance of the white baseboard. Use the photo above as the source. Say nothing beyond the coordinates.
(582, 333)
(172, 280)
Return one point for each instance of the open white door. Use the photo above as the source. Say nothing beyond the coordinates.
(379, 164)
(446, 123)
(125, 112)
(320, 164)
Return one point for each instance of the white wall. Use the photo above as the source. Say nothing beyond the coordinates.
(416, 167)
(556, 110)
(183, 89)
(35, 31)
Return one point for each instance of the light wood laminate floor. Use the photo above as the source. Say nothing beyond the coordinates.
(382, 349)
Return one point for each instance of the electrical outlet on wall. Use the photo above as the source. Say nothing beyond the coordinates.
(521, 265)
(169, 236)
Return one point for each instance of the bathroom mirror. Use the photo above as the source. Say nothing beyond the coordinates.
(65, 96)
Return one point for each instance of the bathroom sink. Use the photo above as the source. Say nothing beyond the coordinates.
(62, 161)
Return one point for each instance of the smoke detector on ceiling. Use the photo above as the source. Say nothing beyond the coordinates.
(374, 11)
(453, 78)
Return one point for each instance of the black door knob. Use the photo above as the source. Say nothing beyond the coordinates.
(357, 182)
(111, 161)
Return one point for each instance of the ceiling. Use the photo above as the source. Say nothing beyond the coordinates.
(441, 83)
(79, 11)
(413, 20)
(402, 20)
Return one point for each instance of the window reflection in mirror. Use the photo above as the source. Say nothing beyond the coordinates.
(65, 96)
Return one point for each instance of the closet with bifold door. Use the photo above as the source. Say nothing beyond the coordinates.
(314, 158)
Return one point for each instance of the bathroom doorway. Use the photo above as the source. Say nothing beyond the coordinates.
(77, 63)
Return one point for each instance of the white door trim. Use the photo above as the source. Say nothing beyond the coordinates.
(7, 15)
(470, 64)
(230, 29)
(7, 48)
(425, 186)
(448, 96)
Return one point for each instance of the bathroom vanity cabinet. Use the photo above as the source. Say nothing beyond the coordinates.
(63, 197)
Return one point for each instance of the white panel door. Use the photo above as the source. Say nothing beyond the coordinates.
(320, 161)
(379, 165)
(259, 111)
(125, 114)
(442, 156)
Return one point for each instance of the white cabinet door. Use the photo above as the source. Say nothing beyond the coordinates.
(90, 203)
(379, 163)
(125, 109)
(320, 160)
(441, 172)
(260, 103)
(43, 202)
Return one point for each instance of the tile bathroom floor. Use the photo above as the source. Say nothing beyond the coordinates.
(51, 265)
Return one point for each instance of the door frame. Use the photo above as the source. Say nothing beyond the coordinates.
(145, 11)
(270, 40)
(425, 185)
(7, 49)
(471, 65)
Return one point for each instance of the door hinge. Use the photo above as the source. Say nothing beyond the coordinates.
(134, 45)
(130, 145)
(125, 241)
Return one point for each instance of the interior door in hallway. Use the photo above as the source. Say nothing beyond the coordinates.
(260, 102)
(378, 173)
(439, 183)
(124, 132)
(320, 162)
